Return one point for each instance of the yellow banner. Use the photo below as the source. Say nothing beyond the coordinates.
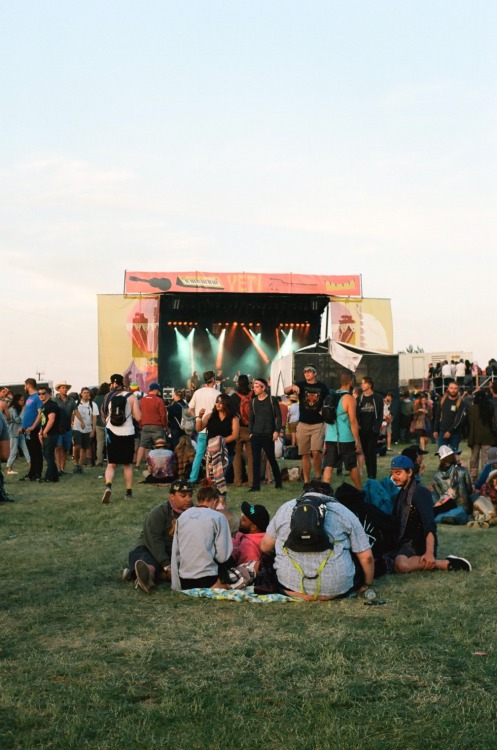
(363, 323)
(128, 334)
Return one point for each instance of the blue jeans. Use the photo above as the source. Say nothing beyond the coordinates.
(452, 442)
(456, 516)
(200, 453)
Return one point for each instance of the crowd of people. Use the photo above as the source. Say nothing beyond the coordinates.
(217, 439)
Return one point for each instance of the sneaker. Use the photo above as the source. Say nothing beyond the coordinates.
(143, 577)
(106, 496)
(254, 489)
(11, 471)
(128, 495)
(459, 563)
(126, 575)
(77, 469)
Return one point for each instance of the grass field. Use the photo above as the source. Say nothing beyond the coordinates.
(87, 661)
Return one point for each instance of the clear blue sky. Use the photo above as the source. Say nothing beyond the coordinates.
(319, 137)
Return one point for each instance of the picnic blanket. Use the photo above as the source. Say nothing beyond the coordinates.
(243, 595)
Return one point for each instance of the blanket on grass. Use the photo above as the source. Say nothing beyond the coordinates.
(244, 595)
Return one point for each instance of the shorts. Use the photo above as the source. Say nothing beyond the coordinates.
(337, 452)
(81, 439)
(407, 548)
(310, 437)
(292, 427)
(120, 448)
(207, 582)
(65, 441)
(149, 434)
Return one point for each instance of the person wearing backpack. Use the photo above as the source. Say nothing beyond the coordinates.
(450, 414)
(241, 399)
(118, 410)
(316, 541)
(342, 441)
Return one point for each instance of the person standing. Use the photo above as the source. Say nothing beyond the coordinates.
(68, 414)
(120, 437)
(175, 417)
(203, 398)
(84, 426)
(310, 429)
(49, 432)
(342, 440)
(153, 422)
(17, 439)
(31, 428)
(100, 429)
(242, 398)
(369, 417)
(449, 415)
(264, 430)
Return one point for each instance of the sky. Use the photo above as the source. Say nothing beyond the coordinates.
(350, 137)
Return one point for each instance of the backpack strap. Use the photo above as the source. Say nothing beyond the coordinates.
(303, 576)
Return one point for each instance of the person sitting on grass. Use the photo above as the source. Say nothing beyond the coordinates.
(416, 546)
(150, 560)
(252, 527)
(201, 544)
(328, 572)
(452, 489)
(160, 464)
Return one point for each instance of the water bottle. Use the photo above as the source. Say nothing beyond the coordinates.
(370, 595)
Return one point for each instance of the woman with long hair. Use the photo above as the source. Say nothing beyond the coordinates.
(184, 453)
(481, 435)
(17, 439)
(421, 420)
(222, 433)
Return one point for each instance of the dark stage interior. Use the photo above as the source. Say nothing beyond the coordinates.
(233, 332)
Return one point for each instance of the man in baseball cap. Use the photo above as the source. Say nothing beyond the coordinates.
(416, 529)
(150, 561)
(254, 521)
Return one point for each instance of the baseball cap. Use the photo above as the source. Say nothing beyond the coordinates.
(117, 378)
(154, 387)
(257, 514)
(181, 485)
(402, 462)
(445, 451)
(310, 367)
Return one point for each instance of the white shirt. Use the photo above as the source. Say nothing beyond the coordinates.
(204, 398)
(87, 410)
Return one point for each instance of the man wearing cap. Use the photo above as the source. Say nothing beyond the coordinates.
(264, 428)
(120, 439)
(452, 487)
(68, 413)
(202, 542)
(449, 415)
(310, 430)
(150, 561)
(203, 398)
(416, 529)
(153, 422)
(160, 464)
(252, 528)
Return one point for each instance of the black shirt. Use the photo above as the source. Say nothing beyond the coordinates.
(311, 398)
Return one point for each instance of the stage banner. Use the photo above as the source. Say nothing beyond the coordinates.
(144, 282)
(128, 331)
(364, 324)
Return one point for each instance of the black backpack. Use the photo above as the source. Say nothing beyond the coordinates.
(116, 408)
(330, 406)
(307, 532)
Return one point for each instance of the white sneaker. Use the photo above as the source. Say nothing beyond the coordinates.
(11, 471)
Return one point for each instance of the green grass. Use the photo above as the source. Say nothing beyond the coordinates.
(87, 661)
